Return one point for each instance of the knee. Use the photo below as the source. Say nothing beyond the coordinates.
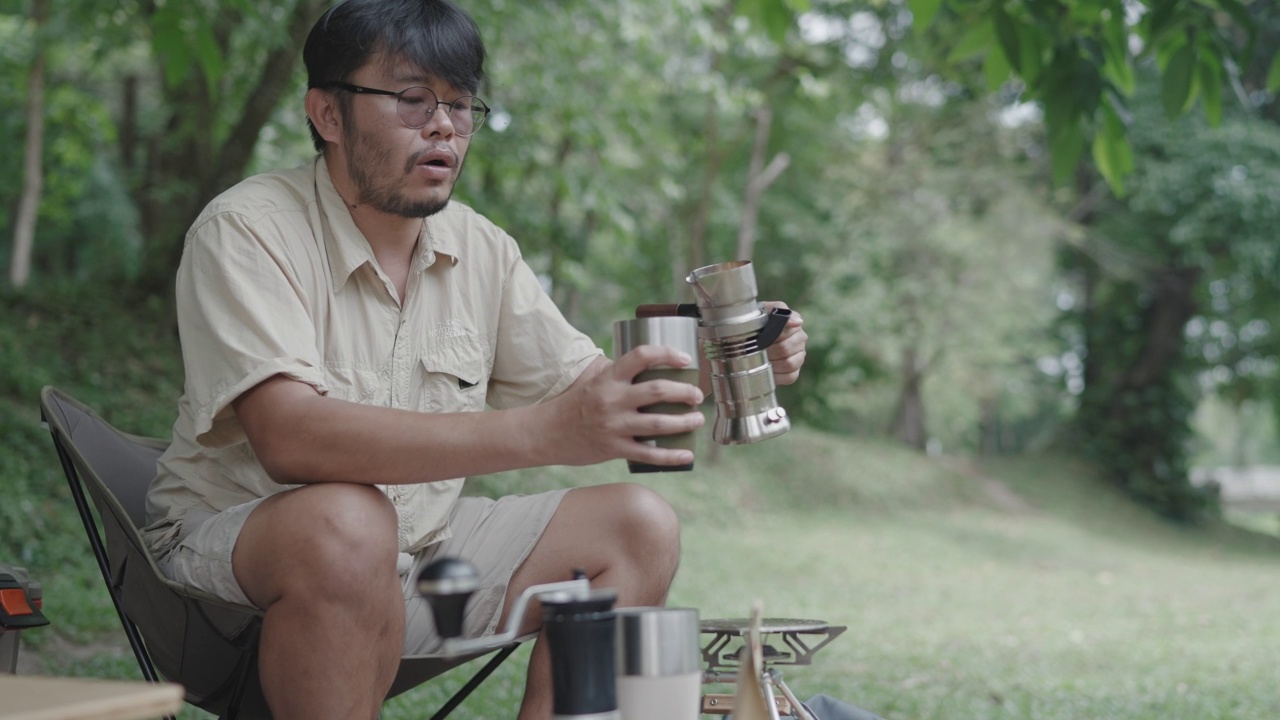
(648, 523)
(353, 531)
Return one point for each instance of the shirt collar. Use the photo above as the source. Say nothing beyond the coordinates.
(347, 247)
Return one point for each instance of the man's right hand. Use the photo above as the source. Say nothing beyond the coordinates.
(598, 418)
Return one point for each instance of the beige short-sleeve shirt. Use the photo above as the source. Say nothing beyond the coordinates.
(276, 279)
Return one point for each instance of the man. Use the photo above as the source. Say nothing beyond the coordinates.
(343, 325)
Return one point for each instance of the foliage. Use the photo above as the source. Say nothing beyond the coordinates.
(1193, 246)
(104, 346)
(1079, 61)
(625, 138)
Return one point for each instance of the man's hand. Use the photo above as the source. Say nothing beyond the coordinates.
(599, 416)
(787, 353)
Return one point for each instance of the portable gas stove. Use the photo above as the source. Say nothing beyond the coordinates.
(797, 642)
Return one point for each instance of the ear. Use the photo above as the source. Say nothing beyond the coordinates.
(326, 116)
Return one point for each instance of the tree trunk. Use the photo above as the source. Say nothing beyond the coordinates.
(1172, 307)
(24, 233)
(990, 436)
(185, 169)
(908, 424)
(759, 178)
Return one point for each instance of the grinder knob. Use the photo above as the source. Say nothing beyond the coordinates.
(447, 584)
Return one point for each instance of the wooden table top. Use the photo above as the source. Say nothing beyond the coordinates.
(29, 697)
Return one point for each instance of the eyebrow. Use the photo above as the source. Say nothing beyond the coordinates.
(412, 78)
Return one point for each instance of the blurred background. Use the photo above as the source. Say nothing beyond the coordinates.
(1033, 241)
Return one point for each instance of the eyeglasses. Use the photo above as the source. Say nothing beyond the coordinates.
(416, 105)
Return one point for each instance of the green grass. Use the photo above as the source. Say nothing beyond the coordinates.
(1059, 599)
(1016, 588)
(962, 600)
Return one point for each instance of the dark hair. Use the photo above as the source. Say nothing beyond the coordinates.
(435, 35)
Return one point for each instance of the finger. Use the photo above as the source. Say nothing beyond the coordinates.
(787, 371)
(793, 321)
(789, 343)
(644, 357)
(657, 424)
(652, 427)
(653, 455)
(663, 391)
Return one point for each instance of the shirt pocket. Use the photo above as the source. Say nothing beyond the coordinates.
(454, 378)
(349, 382)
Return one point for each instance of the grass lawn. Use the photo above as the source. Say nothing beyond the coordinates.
(1015, 588)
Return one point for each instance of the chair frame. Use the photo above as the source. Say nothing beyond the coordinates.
(244, 673)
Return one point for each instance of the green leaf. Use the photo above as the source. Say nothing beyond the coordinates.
(922, 13)
(1273, 75)
(1210, 76)
(1007, 34)
(1111, 151)
(170, 44)
(1237, 13)
(1031, 53)
(975, 42)
(772, 16)
(1066, 145)
(1115, 49)
(1057, 89)
(996, 70)
(209, 55)
(1175, 86)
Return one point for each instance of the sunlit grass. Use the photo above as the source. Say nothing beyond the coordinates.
(1016, 589)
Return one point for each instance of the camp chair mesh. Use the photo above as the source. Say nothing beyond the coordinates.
(179, 633)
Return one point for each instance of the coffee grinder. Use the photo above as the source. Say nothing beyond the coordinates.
(578, 620)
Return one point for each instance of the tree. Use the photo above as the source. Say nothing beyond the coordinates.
(1177, 288)
(32, 168)
(1078, 59)
(223, 68)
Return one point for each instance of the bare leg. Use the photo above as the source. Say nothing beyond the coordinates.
(321, 560)
(624, 536)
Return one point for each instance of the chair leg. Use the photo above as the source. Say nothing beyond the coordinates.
(474, 682)
(247, 665)
(100, 554)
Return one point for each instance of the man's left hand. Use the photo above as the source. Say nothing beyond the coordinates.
(787, 353)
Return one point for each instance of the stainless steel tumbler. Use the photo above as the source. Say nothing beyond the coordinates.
(659, 668)
(680, 333)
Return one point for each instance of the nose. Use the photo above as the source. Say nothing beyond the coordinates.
(440, 123)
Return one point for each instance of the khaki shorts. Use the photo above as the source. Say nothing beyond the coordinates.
(494, 535)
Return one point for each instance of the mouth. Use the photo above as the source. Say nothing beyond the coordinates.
(437, 158)
(435, 165)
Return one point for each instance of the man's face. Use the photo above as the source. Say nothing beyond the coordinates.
(395, 169)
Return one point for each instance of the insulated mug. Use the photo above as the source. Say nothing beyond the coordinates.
(680, 333)
(659, 671)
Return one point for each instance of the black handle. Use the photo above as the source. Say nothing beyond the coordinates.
(773, 326)
(447, 585)
(668, 310)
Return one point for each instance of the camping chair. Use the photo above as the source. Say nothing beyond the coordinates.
(177, 632)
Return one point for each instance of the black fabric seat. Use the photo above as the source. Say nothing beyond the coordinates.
(178, 633)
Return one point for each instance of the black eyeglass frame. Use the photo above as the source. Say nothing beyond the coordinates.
(482, 108)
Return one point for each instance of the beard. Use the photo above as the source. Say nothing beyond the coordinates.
(382, 192)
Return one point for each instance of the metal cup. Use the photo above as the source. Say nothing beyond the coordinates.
(680, 333)
(658, 663)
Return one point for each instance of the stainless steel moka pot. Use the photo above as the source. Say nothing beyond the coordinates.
(735, 333)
